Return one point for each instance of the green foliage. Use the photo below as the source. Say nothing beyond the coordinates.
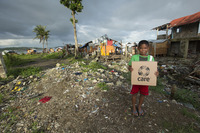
(178, 128)
(103, 86)
(71, 19)
(1, 98)
(41, 33)
(73, 5)
(187, 96)
(185, 112)
(14, 60)
(159, 87)
(127, 76)
(181, 95)
(93, 66)
(24, 71)
(55, 55)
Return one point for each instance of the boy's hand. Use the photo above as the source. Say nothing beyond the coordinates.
(130, 68)
(156, 73)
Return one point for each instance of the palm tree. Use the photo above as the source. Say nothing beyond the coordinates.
(75, 6)
(40, 33)
(46, 37)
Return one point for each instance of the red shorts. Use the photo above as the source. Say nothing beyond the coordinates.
(144, 90)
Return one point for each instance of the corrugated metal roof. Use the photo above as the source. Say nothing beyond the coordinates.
(185, 20)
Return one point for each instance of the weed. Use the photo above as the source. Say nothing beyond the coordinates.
(24, 71)
(159, 87)
(127, 76)
(55, 55)
(187, 96)
(1, 98)
(92, 66)
(103, 86)
(15, 60)
(177, 128)
(185, 112)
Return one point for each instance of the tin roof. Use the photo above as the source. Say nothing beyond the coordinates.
(185, 20)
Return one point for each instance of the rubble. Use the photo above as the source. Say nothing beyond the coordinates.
(74, 98)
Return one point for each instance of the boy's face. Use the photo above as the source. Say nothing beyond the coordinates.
(143, 49)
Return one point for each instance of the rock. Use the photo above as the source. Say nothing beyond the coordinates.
(174, 101)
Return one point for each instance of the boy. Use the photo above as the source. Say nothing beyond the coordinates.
(143, 48)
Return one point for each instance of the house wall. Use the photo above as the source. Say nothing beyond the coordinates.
(175, 49)
(186, 31)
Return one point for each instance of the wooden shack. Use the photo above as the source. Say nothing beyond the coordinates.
(158, 47)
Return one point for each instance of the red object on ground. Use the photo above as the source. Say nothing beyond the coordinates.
(112, 71)
(45, 99)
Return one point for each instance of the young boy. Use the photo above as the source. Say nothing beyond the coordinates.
(143, 48)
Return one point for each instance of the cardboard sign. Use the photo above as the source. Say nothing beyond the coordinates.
(144, 73)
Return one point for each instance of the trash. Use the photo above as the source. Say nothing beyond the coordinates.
(94, 111)
(65, 91)
(45, 99)
(78, 73)
(85, 79)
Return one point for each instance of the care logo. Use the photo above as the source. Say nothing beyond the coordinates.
(143, 71)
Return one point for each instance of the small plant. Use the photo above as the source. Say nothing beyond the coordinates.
(103, 86)
(159, 87)
(187, 96)
(1, 98)
(178, 128)
(55, 55)
(24, 71)
(185, 112)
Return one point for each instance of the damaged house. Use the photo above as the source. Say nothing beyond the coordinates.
(184, 40)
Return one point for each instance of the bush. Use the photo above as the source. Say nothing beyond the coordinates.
(25, 72)
(11, 60)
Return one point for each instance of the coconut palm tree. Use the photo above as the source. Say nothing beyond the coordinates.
(40, 33)
(46, 37)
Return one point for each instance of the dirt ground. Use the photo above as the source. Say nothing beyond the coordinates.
(83, 107)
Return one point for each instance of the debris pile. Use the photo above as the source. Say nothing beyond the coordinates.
(73, 98)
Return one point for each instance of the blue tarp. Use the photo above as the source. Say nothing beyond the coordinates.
(117, 45)
(85, 45)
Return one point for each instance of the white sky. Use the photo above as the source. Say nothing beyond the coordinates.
(122, 20)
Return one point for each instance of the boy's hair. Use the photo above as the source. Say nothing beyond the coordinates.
(143, 42)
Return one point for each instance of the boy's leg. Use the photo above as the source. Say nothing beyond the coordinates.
(141, 100)
(134, 97)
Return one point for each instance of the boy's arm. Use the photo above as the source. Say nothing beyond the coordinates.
(156, 73)
(130, 68)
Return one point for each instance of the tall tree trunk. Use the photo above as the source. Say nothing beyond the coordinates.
(75, 36)
(43, 46)
(46, 46)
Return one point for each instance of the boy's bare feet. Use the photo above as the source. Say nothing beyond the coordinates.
(135, 113)
(141, 112)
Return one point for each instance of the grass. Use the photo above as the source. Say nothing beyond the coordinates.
(177, 128)
(159, 87)
(15, 60)
(12, 61)
(187, 96)
(185, 112)
(1, 98)
(103, 86)
(25, 72)
(181, 95)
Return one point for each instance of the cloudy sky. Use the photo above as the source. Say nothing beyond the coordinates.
(122, 20)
